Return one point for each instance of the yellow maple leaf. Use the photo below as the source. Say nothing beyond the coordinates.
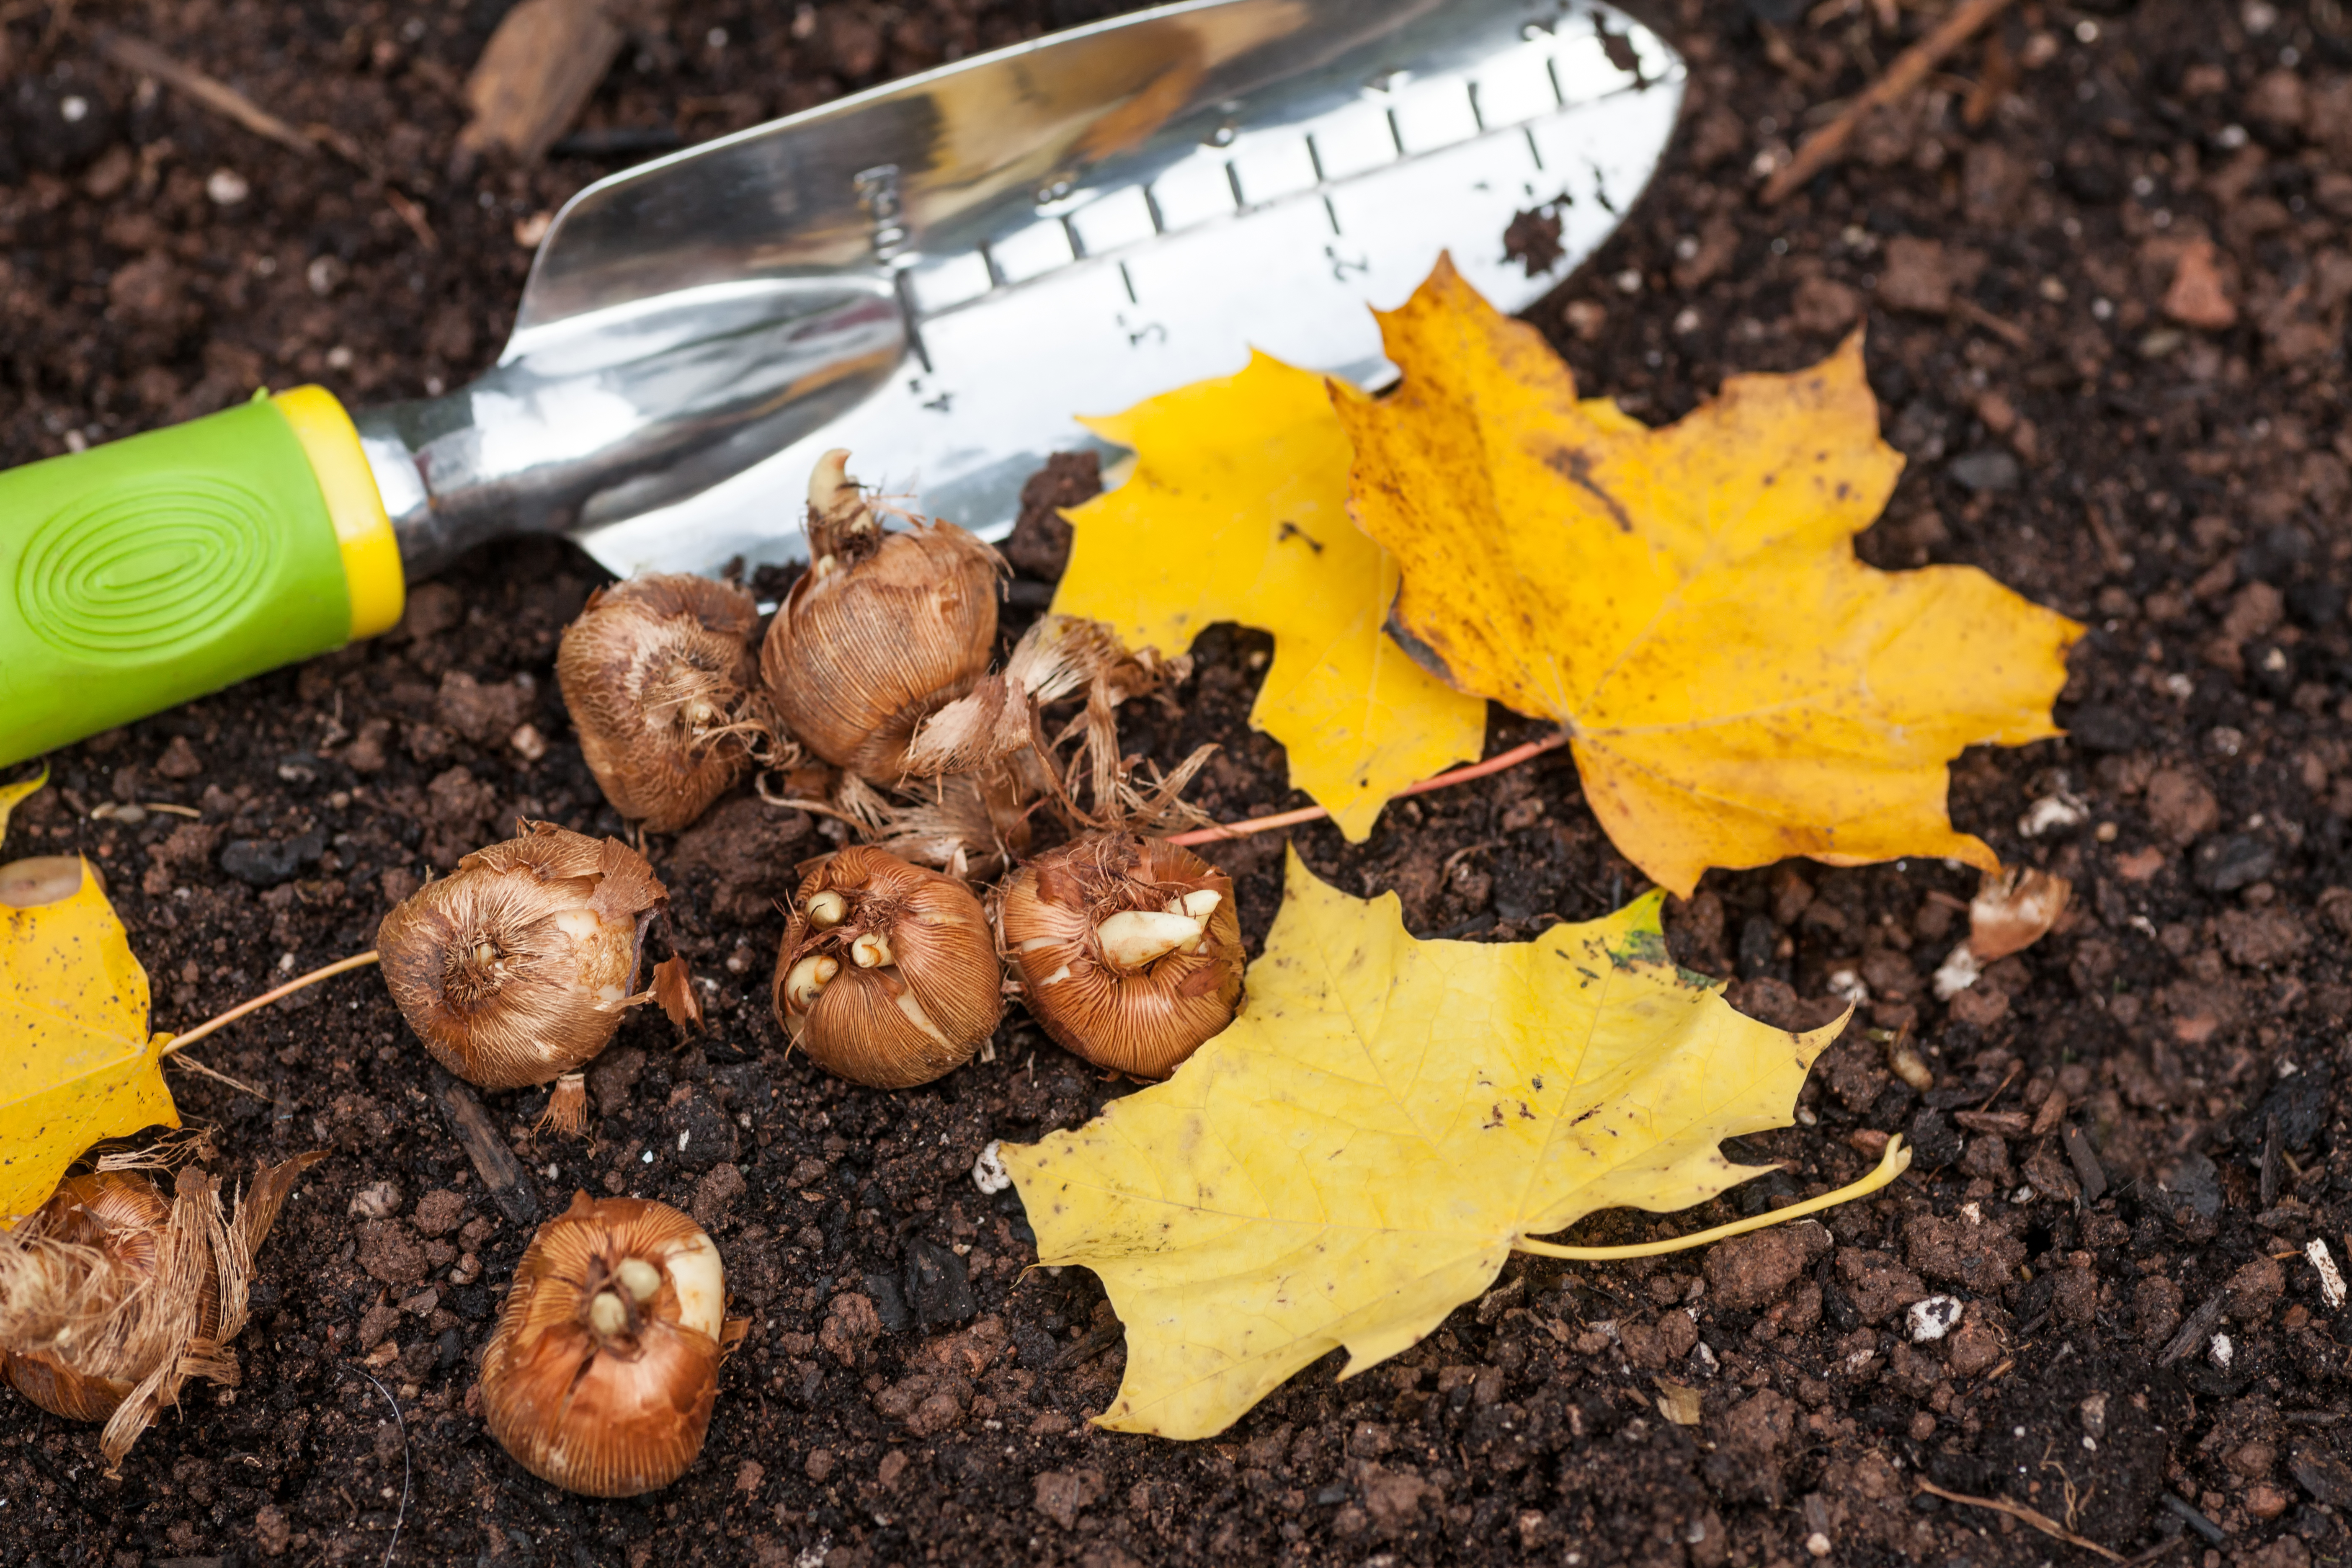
(1685, 601)
(1382, 1124)
(13, 795)
(77, 1063)
(1237, 512)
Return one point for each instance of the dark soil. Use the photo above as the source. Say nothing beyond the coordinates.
(2136, 1124)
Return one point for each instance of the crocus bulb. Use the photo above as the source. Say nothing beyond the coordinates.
(663, 689)
(115, 1292)
(881, 630)
(110, 1232)
(1128, 950)
(600, 1373)
(887, 975)
(518, 966)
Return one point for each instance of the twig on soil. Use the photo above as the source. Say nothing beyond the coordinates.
(2018, 1511)
(406, 1467)
(2192, 1334)
(2188, 1515)
(1494, 765)
(1897, 1161)
(500, 1172)
(138, 54)
(1825, 146)
(2001, 327)
(357, 961)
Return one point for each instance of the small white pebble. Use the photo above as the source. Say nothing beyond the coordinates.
(286, 963)
(74, 108)
(2221, 1352)
(2050, 814)
(227, 187)
(2331, 1280)
(647, 1156)
(1933, 1318)
(1960, 971)
(1818, 1544)
(1846, 985)
(988, 1171)
(681, 1143)
(553, 1172)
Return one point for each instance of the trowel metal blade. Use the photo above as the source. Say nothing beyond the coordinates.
(1071, 230)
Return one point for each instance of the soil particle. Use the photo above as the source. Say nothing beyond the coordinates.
(438, 1212)
(1876, 1284)
(1980, 1254)
(1752, 1271)
(388, 1250)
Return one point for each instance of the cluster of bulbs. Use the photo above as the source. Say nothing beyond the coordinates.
(517, 968)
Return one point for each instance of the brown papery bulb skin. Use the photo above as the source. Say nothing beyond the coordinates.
(663, 685)
(880, 632)
(123, 1216)
(600, 1373)
(1122, 954)
(518, 966)
(887, 975)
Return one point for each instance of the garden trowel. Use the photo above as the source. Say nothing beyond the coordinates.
(939, 275)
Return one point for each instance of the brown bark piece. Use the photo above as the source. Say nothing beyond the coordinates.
(538, 72)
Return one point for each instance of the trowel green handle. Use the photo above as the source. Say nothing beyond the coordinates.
(139, 574)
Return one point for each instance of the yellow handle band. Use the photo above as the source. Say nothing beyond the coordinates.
(371, 553)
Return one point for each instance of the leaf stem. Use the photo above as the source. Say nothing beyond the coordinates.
(1896, 1161)
(1494, 765)
(357, 961)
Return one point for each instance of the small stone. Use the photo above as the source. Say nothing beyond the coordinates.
(439, 1212)
(262, 863)
(1062, 1495)
(988, 1171)
(2255, 1289)
(2098, 728)
(2227, 864)
(179, 760)
(2197, 297)
(1933, 1318)
(377, 1200)
(1975, 1347)
(938, 1291)
(227, 187)
(1817, 1544)
(2266, 1501)
(1987, 471)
